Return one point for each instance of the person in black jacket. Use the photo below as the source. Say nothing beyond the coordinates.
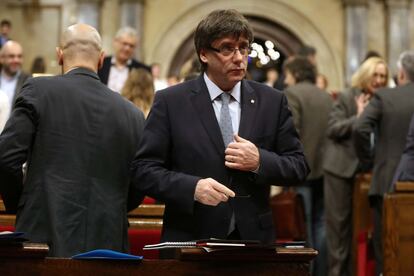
(78, 139)
(115, 69)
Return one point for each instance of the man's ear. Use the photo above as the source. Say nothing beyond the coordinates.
(101, 59)
(59, 55)
(203, 56)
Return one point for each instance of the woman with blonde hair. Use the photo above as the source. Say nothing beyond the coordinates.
(139, 89)
(341, 163)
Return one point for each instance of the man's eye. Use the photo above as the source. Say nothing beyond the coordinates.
(227, 49)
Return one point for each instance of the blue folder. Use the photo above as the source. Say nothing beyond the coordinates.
(105, 254)
(7, 236)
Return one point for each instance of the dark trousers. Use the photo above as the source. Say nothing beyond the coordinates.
(377, 204)
(313, 199)
(338, 211)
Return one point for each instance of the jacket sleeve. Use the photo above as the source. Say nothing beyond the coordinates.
(405, 168)
(286, 163)
(364, 126)
(15, 142)
(341, 119)
(151, 167)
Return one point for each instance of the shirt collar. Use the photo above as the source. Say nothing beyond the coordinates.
(8, 78)
(215, 91)
(113, 61)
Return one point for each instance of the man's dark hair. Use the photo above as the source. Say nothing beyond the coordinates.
(301, 69)
(370, 54)
(219, 24)
(5, 22)
(306, 51)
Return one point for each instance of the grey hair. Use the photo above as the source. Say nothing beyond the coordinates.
(126, 31)
(406, 63)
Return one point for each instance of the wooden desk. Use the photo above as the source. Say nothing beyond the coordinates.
(286, 262)
(398, 231)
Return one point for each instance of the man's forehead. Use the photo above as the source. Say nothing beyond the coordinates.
(127, 38)
(13, 49)
(231, 39)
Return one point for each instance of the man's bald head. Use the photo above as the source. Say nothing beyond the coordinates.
(80, 46)
(11, 57)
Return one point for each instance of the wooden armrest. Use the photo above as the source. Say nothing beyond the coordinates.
(404, 186)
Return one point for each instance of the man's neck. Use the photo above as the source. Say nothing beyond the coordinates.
(69, 68)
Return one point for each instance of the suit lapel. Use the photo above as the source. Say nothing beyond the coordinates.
(248, 109)
(202, 103)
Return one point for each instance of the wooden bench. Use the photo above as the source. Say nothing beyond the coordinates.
(398, 230)
(145, 227)
(362, 223)
(146, 216)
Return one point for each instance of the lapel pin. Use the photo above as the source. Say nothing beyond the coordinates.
(252, 101)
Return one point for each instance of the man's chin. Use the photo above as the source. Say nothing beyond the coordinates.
(237, 75)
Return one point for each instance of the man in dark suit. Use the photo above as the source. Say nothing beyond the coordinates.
(115, 69)
(78, 139)
(213, 186)
(12, 77)
(387, 116)
(405, 169)
(310, 109)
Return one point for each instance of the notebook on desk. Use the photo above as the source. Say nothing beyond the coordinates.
(220, 244)
(205, 243)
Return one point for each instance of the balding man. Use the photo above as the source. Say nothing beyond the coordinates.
(78, 139)
(12, 77)
(115, 69)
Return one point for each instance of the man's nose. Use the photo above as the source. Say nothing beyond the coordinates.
(237, 55)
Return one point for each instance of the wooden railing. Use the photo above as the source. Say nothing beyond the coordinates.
(144, 217)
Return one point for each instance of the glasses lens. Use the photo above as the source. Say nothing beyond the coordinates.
(226, 51)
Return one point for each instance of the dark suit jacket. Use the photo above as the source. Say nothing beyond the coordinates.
(78, 138)
(182, 143)
(340, 157)
(310, 108)
(103, 72)
(389, 113)
(405, 169)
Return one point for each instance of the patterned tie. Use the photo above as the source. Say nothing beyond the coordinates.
(226, 126)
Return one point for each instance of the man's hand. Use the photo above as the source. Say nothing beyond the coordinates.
(242, 155)
(210, 192)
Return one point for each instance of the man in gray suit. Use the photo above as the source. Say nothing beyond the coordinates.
(78, 139)
(12, 77)
(388, 117)
(310, 108)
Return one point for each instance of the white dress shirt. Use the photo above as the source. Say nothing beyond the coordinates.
(117, 76)
(234, 105)
(8, 86)
(4, 109)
